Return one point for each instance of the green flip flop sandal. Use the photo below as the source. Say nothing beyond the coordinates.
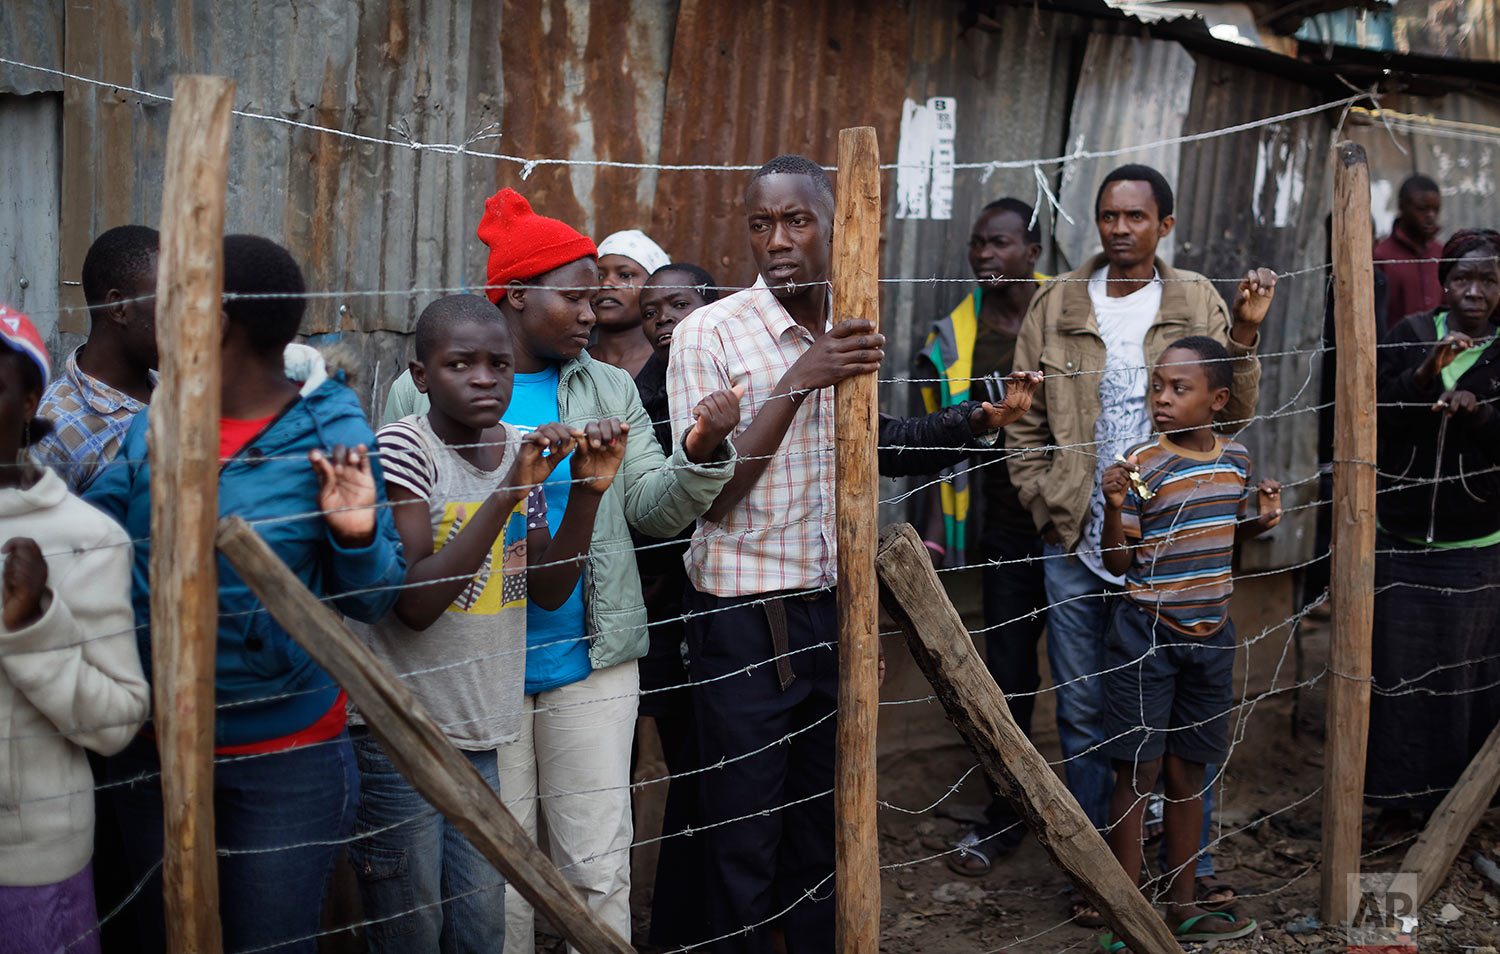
(1185, 932)
(1109, 945)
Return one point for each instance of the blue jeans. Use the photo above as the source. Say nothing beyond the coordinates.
(278, 819)
(424, 887)
(1077, 614)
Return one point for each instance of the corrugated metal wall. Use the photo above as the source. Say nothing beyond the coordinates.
(662, 81)
(31, 31)
(29, 203)
(754, 79)
(1132, 91)
(585, 81)
(1010, 83)
(1259, 198)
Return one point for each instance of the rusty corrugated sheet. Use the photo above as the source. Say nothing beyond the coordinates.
(586, 81)
(358, 216)
(1259, 198)
(1131, 91)
(753, 79)
(31, 30)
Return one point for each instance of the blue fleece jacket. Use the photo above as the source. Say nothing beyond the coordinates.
(266, 686)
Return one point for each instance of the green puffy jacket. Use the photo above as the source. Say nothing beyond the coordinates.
(657, 495)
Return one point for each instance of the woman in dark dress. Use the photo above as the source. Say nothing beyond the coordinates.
(1436, 692)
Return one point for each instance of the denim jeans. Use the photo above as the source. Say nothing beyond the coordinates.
(1077, 613)
(278, 818)
(424, 887)
(1015, 600)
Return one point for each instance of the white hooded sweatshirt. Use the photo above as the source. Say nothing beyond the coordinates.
(69, 681)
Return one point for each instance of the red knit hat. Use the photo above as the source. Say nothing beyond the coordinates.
(524, 244)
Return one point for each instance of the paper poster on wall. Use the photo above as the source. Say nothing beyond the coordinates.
(925, 157)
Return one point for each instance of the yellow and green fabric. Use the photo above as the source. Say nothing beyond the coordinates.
(949, 352)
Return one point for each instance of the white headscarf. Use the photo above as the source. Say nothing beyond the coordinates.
(636, 246)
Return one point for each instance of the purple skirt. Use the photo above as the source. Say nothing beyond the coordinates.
(50, 918)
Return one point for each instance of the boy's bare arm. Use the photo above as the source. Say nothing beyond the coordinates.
(1115, 483)
(554, 564)
(1268, 511)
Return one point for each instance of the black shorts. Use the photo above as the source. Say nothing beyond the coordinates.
(1164, 691)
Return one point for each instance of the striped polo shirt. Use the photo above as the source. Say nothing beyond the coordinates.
(1184, 535)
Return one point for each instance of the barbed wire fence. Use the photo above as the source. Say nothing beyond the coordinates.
(1277, 638)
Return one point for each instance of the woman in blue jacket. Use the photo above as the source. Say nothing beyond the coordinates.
(295, 467)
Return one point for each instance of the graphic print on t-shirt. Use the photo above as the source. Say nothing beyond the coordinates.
(508, 550)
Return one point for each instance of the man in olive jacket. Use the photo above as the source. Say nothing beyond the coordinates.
(1095, 333)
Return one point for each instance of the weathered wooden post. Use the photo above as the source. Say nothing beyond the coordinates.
(1353, 567)
(856, 294)
(184, 452)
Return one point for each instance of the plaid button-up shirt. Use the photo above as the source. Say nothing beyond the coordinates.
(89, 419)
(781, 535)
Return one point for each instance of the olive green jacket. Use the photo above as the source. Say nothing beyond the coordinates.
(1060, 336)
(656, 494)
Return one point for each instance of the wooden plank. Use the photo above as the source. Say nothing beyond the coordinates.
(912, 595)
(414, 742)
(856, 294)
(184, 452)
(1353, 567)
(1449, 827)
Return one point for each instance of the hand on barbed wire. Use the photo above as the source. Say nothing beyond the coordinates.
(25, 580)
(1020, 386)
(601, 448)
(1268, 499)
(1446, 350)
(539, 454)
(346, 494)
(714, 419)
(1253, 297)
(1457, 402)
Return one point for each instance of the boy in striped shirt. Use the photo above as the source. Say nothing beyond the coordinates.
(1173, 510)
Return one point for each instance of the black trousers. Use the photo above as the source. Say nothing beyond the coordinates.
(1012, 593)
(677, 918)
(757, 865)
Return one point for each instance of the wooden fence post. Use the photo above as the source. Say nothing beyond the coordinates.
(856, 294)
(1353, 567)
(184, 454)
(1449, 827)
(414, 742)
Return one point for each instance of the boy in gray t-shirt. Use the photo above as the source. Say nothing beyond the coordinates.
(465, 491)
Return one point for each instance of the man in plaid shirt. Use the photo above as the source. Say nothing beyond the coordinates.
(762, 561)
(104, 382)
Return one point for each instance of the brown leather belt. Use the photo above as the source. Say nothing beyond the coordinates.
(775, 606)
